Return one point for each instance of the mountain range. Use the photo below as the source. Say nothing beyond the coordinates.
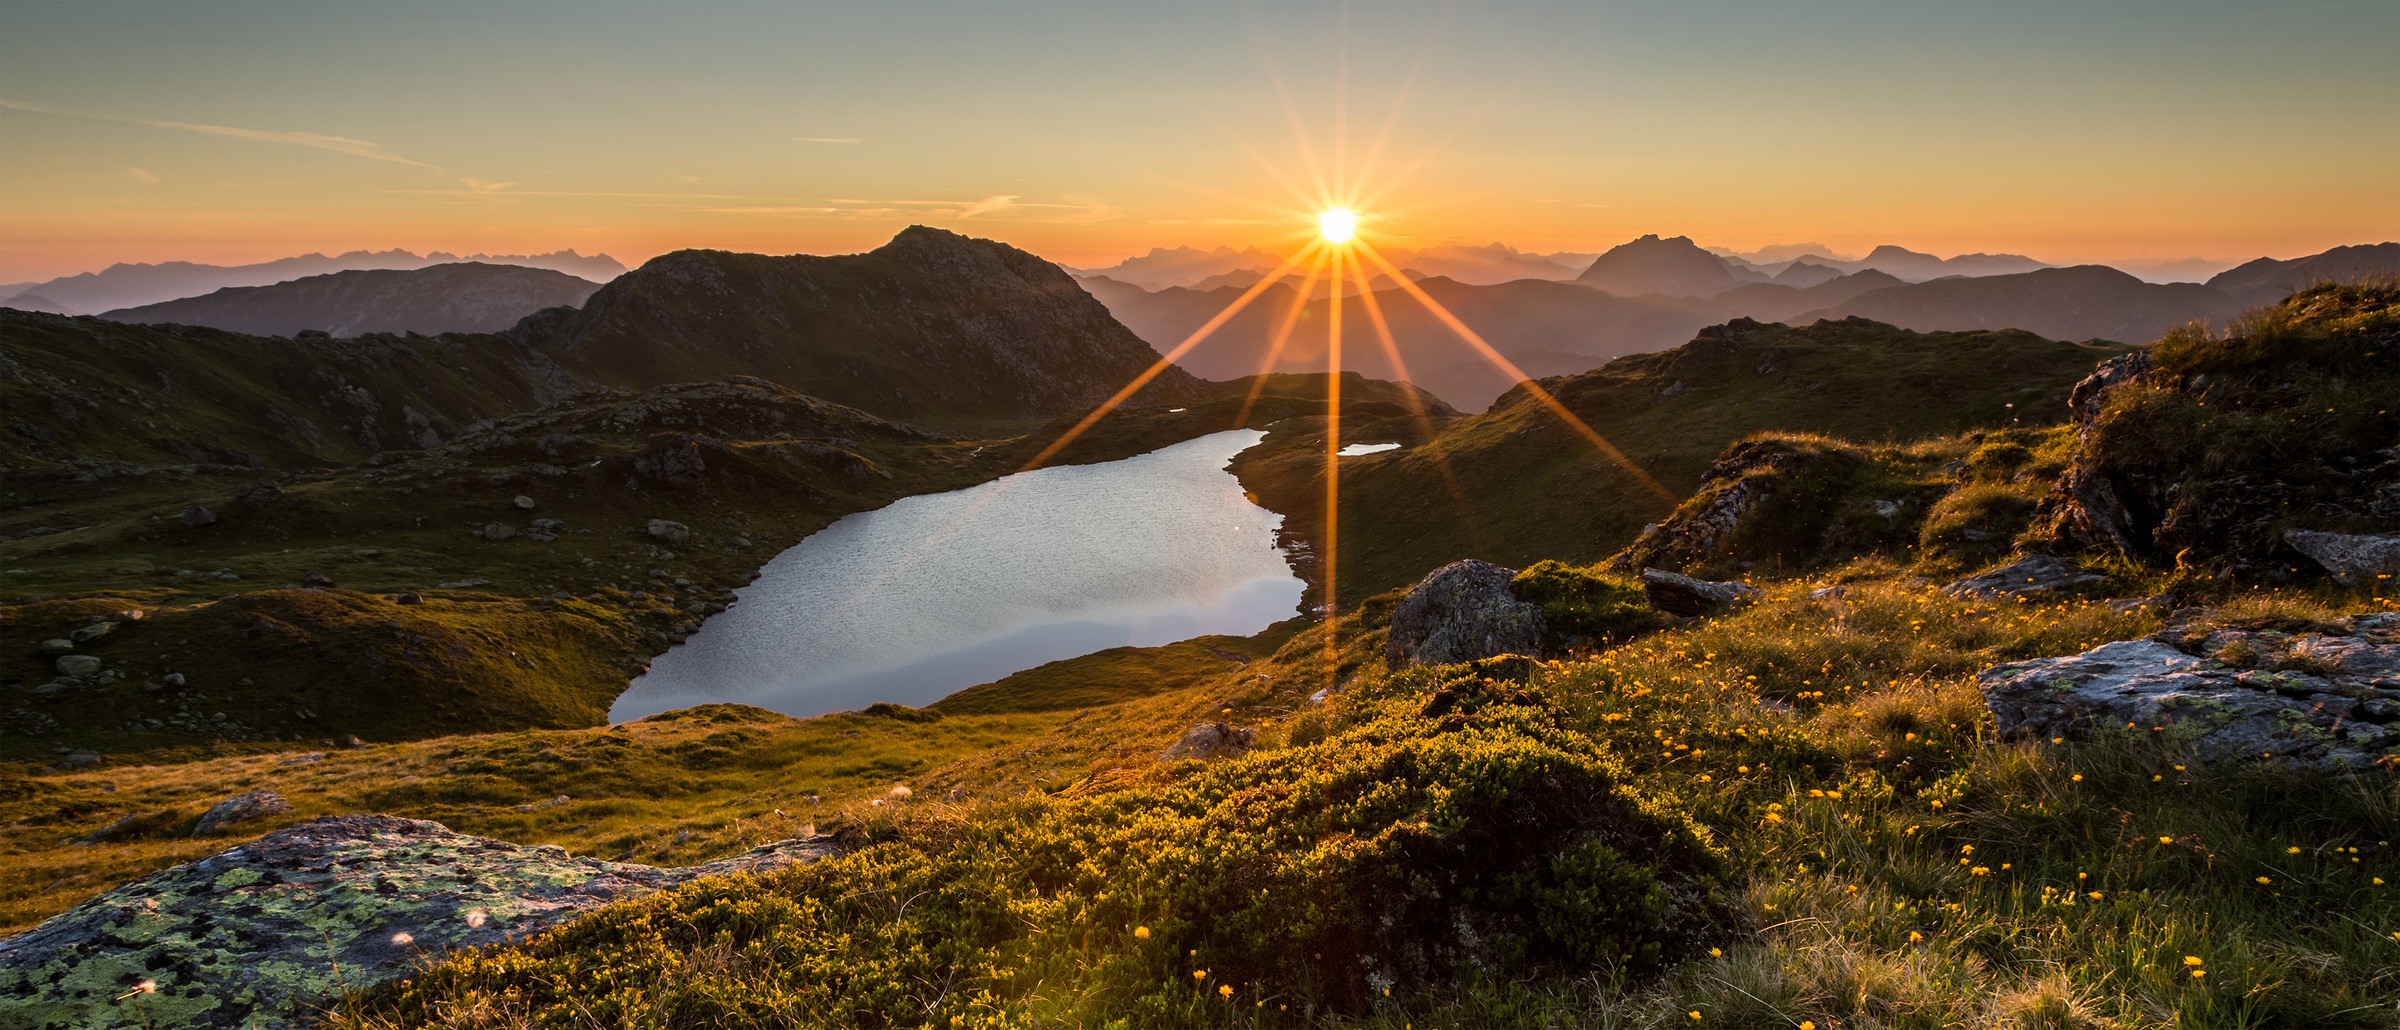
(1651, 293)
(467, 297)
(134, 285)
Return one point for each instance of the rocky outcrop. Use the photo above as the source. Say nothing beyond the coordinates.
(269, 933)
(1683, 595)
(2328, 700)
(2028, 576)
(2351, 557)
(1212, 740)
(1733, 487)
(1461, 612)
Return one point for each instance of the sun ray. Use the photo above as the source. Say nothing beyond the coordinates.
(1167, 359)
(1432, 448)
(1283, 334)
(1501, 362)
(1333, 481)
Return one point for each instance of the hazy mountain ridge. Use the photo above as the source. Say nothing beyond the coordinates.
(467, 297)
(126, 285)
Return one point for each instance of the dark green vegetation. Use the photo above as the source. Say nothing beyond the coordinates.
(1793, 811)
(1514, 485)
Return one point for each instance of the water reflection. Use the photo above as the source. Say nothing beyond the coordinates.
(931, 594)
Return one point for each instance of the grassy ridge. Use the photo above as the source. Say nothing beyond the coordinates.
(1514, 485)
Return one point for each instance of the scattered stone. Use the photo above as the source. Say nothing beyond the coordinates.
(1211, 740)
(248, 927)
(81, 758)
(524, 502)
(669, 531)
(315, 580)
(354, 743)
(240, 808)
(2033, 574)
(1678, 594)
(128, 615)
(1887, 509)
(408, 599)
(56, 646)
(1459, 613)
(498, 531)
(1831, 593)
(2321, 700)
(197, 515)
(307, 759)
(464, 584)
(365, 552)
(536, 806)
(76, 665)
(173, 679)
(225, 574)
(2351, 557)
(140, 824)
(87, 634)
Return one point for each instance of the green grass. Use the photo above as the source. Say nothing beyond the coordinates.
(1514, 485)
(1834, 753)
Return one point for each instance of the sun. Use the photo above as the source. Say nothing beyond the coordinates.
(1337, 224)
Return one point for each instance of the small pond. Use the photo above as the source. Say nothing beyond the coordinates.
(931, 594)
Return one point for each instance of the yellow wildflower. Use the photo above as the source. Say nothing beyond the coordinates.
(1716, 953)
(2263, 881)
(2198, 973)
(1199, 974)
(1142, 932)
(2191, 960)
(1224, 990)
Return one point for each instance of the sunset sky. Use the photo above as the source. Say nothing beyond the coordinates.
(232, 133)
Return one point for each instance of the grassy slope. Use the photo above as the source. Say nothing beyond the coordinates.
(1514, 485)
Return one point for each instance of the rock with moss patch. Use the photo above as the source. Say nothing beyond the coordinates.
(270, 933)
(2327, 700)
(1461, 612)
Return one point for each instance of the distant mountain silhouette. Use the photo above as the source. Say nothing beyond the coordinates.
(2082, 302)
(1803, 274)
(1777, 302)
(2267, 280)
(1671, 267)
(135, 285)
(1488, 264)
(469, 297)
(931, 325)
(35, 302)
(1184, 266)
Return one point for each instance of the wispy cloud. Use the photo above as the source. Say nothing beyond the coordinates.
(141, 175)
(314, 140)
(827, 139)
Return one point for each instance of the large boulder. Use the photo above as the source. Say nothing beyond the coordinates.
(1462, 612)
(1678, 594)
(2324, 700)
(2025, 577)
(270, 933)
(2351, 557)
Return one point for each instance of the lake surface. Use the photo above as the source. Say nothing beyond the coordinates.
(1356, 449)
(914, 601)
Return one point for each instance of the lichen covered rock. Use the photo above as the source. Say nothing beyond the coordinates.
(1212, 740)
(2324, 700)
(1461, 612)
(2025, 577)
(269, 933)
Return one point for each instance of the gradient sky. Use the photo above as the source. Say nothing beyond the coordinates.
(1085, 132)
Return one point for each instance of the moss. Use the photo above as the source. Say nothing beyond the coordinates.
(1583, 608)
